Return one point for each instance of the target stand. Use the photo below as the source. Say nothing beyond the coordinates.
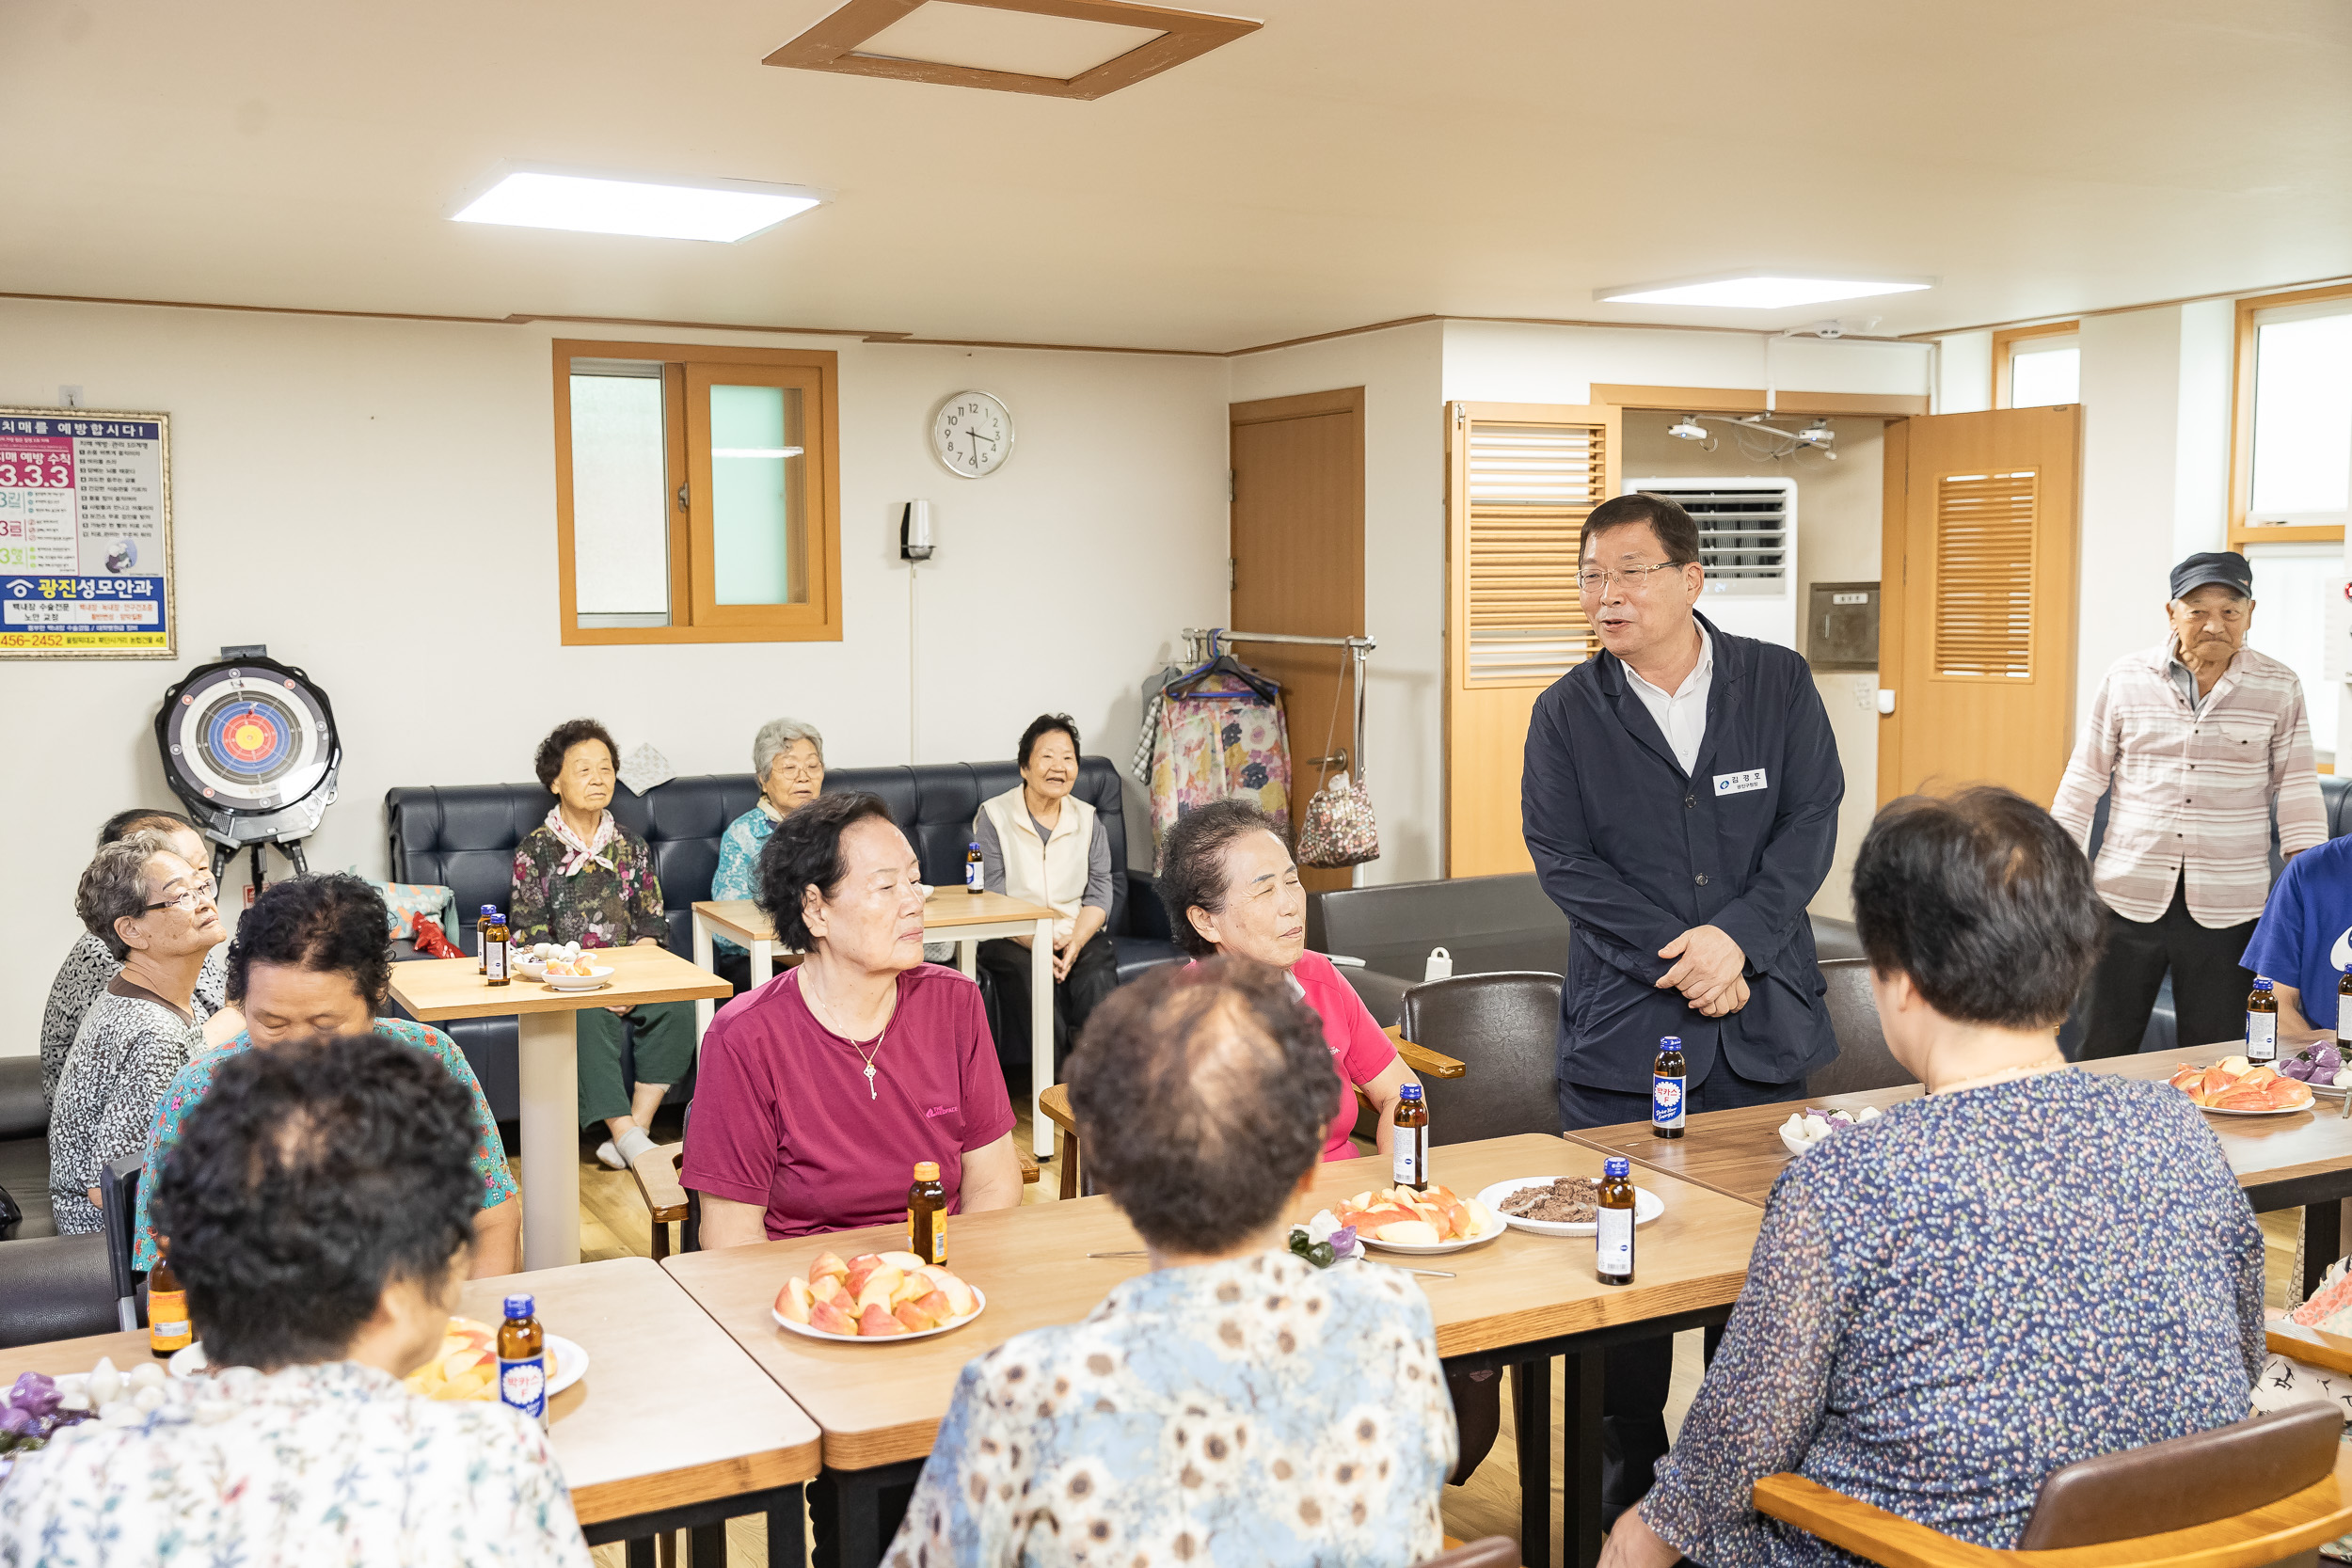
(250, 746)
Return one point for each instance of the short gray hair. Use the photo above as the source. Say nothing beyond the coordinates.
(114, 886)
(777, 734)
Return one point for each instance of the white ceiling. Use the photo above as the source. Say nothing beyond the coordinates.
(1353, 161)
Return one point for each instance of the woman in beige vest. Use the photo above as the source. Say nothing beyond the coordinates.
(1042, 844)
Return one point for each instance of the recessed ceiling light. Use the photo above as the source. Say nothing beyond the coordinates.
(721, 210)
(1759, 290)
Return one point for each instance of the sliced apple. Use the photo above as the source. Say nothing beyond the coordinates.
(1408, 1233)
(911, 1313)
(911, 1288)
(829, 1317)
(876, 1321)
(959, 1295)
(879, 1286)
(1477, 1219)
(906, 1262)
(827, 1287)
(827, 1262)
(795, 1300)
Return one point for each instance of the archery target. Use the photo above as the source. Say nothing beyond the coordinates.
(249, 739)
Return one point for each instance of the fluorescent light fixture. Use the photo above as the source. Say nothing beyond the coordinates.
(1759, 290)
(721, 210)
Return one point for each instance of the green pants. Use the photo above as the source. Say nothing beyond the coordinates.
(664, 1045)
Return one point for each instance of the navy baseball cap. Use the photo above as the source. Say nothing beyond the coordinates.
(2226, 568)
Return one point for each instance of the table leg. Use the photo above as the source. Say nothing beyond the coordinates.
(969, 957)
(707, 1545)
(638, 1551)
(2323, 1242)
(705, 957)
(1041, 1037)
(763, 963)
(549, 1048)
(787, 1533)
(1581, 1423)
(1531, 1414)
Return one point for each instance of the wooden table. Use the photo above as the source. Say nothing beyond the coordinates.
(547, 1046)
(950, 913)
(1515, 1302)
(2302, 1161)
(635, 1467)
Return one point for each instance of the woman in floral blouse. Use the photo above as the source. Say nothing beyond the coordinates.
(581, 876)
(319, 1208)
(788, 760)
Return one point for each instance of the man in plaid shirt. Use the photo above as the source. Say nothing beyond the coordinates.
(2198, 740)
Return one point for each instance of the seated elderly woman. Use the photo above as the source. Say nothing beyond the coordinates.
(788, 760)
(2031, 1265)
(581, 876)
(1231, 886)
(1236, 1403)
(154, 911)
(90, 963)
(313, 958)
(319, 1207)
(1040, 842)
(820, 1091)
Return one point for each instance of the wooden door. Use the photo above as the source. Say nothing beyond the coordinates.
(1298, 568)
(1521, 478)
(1977, 619)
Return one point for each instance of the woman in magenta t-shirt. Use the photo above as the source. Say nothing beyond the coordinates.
(819, 1092)
(1232, 887)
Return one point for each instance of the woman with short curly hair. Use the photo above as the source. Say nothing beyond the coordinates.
(581, 876)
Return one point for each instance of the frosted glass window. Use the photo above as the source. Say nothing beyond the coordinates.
(2302, 418)
(2045, 378)
(2291, 587)
(620, 497)
(755, 496)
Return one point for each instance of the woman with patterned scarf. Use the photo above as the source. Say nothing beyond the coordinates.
(581, 876)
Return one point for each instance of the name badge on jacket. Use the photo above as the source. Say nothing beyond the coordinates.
(1738, 783)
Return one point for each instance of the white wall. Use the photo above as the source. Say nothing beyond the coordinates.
(2131, 391)
(374, 501)
(1403, 570)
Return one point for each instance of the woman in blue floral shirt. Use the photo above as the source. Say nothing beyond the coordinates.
(788, 760)
(581, 876)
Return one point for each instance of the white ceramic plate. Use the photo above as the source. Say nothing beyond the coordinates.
(596, 980)
(1648, 1206)
(571, 1363)
(1459, 1244)
(2232, 1111)
(978, 1295)
(530, 969)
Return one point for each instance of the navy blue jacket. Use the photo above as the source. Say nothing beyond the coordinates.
(1635, 852)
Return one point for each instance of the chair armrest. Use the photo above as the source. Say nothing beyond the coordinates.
(1423, 1061)
(2330, 1351)
(1867, 1531)
(1055, 1103)
(656, 1174)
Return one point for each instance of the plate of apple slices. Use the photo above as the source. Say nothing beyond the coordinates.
(1398, 1219)
(875, 1296)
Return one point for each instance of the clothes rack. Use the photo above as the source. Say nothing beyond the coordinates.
(1204, 641)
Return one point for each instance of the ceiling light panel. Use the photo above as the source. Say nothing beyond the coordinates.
(1759, 290)
(724, 210)
(1025, 43)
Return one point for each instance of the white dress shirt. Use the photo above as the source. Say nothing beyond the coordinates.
(1681, 714)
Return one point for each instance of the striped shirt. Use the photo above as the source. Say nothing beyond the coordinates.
(2193, 787)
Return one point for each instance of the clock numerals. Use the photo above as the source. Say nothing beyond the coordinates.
(971, 434)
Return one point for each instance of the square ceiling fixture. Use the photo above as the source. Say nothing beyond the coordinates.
(719, 210)
(1758, 291)
(1092, 48)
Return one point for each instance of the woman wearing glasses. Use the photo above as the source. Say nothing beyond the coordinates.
(788, 760)
(155, 914)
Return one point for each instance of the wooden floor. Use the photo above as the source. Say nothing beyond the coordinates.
(613, 1225)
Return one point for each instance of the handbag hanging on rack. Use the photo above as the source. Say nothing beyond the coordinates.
(1338, 828)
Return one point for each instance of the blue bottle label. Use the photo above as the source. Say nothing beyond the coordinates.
(1665, 1100)
(523, 1385)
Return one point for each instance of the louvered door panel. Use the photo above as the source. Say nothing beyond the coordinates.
(1985, 575)
(1521, 479)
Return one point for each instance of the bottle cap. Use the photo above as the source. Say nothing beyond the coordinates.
(1670, 1043)
(520, 1307)
(2261, 985)
(489, 909)
(1411, 1091)
(1616, 1167)
(927, 1170)
(974, 845)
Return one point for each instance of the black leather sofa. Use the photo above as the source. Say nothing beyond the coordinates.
(51, 1287)
(464, 837)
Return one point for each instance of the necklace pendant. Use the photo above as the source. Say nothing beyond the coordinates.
(870, 1092)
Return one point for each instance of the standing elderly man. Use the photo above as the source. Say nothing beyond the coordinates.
(2196, 740)
(1680, 802)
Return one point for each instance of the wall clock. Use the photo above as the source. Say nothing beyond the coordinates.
(972, 434)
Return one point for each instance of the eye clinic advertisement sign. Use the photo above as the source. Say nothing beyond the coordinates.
(86, 535)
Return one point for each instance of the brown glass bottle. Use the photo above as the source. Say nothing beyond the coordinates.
(2343, 1001)
(975, 879)
(927, 1215)
(1669, 1081)
(167, 1327)
(482, 939)
(523, 1359)
(1612, 1225)
(1409, 1150)
(2262, 1024)
(497, 956)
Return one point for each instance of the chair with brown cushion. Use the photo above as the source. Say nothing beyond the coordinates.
(1494, 1551)
(2253, 1492)
(1863, 1060)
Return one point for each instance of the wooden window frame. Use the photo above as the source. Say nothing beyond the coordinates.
(2243, 534)
(694, 617)
(2005, 342)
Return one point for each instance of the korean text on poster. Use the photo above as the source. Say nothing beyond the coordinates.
(85, 534)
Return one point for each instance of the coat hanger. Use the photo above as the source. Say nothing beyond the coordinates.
(1221, 662)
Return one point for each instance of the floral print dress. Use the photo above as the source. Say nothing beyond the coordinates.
(1219, 746)
(1256, 1410)
(608, 903)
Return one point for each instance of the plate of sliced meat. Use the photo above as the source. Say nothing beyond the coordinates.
(1560, 1205)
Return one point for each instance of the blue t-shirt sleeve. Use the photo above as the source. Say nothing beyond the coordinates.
(2277, 946)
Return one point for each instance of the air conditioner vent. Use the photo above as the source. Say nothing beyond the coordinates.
(1747, 530)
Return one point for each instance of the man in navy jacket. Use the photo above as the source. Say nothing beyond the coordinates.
(1681, 800)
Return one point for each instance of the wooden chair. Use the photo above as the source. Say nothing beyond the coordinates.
(668, 1202)
(1494, 1551)
(2253, 1492)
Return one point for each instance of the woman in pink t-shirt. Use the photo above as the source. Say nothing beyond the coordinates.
(1232, 887)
